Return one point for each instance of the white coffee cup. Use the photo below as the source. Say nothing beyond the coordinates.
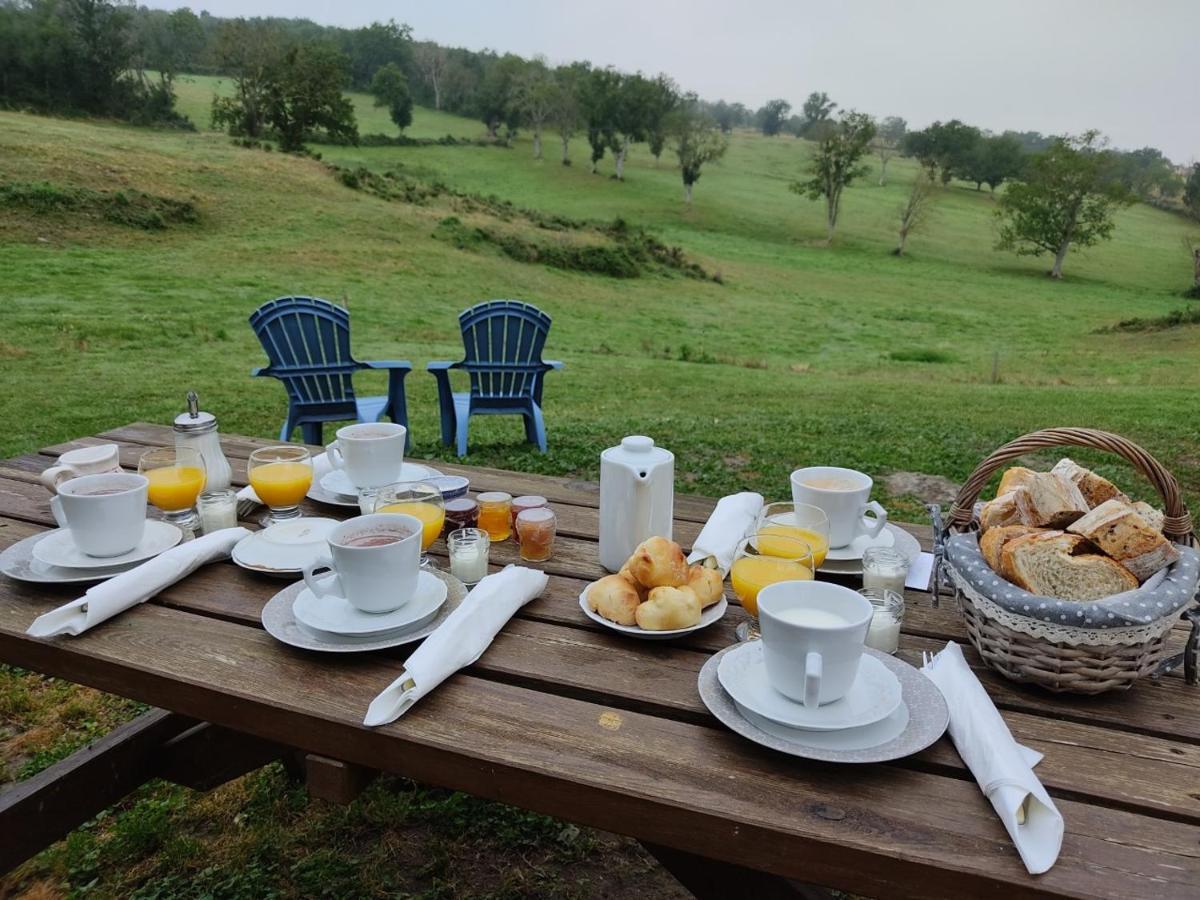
(845, 497)
(812, 634)
(374, 578)
(82, 461)
(371, 453)
(106, 514)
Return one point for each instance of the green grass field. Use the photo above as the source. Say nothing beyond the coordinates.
(805, 354)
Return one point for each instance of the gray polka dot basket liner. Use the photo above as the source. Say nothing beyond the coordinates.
(1062, 645)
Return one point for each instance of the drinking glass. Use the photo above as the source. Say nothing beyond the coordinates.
(421, 500)
(764, 559)
(797, 520)
(176, 476)
(281, 476)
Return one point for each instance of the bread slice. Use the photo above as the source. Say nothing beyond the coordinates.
(1056, 564)
(1154, 517)
(1096, 489)
(1013, 478)
(1121, 532)
(1000, 512)
(994, 540)
(1048, 500)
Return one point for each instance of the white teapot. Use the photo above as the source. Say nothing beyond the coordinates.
(637, 497)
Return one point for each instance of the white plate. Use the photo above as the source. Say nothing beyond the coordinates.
(338, 482)
(58, 548)
(901, 540)
(874, 695)
(855, 549)
(285, 548)
(335, 615)
(863, 738)
(17, 562)
(707, 617)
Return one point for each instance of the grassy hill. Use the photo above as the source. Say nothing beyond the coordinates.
(804, 354)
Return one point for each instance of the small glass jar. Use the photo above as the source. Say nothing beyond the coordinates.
(537, 528)
(519, 505)
(884, 631)
(366, 500)
(461, 512)
(885, 569)
(218, 509)
(495, 514)
(468, 554)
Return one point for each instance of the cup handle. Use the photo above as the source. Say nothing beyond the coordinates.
(872, 526)
(55, 474)
(334, 455)
(56, 508)
(812, 680)
(322, 562)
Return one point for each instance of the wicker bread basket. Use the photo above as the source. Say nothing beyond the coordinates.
(1062, 666)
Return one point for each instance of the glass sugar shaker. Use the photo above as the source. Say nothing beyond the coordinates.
(198, 430)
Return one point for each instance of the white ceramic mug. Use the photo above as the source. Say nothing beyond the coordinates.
(106, 514)
(845, 497)
(82, 461)
(371, 453)
(375, 579)
(812, 634)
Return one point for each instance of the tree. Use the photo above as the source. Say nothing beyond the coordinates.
(1192, 246)
(697, 140)
(565, 112)
(1067, 199)
(496, 97)
(390, 88)
(1191, 192)
(944, 148)
(247, 51)
(661, 101)
(599, 96)
(915, 211)
(631, 117)
(368, 49)
(1148, 174)
(772, 116)
(536, 92)
(432, 61)
(886, 144)
(994, 159)
(728, 115)
(837, 163)
(817, 110)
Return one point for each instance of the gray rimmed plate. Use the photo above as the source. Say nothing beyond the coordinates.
(279, 622)
(319, 492)
(18, 561)
(894, 738)
(901, 540)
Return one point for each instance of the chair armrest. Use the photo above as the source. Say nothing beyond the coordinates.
(261, 370)
(554, 363)
(441, 365)
(395, 364)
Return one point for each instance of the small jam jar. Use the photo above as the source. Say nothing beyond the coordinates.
(495, 515)
(537, 528)
(461, 512)
(520, 504)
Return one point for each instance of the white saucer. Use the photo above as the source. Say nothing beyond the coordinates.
(335, 615)
(862, 738)
(338, 482)
(897, 538)
(707, 617)
(17, 562)
(284, 548)
(860, 544)
(58, 548)
(874, 695)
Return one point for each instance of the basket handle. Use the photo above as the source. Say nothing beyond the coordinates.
(1177, 525)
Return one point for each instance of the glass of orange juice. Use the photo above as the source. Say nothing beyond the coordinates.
(176, 476)
(419, 499)
(764, 559)
(796, 520)
(281, 476)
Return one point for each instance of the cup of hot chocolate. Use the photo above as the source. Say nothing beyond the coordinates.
(371, 453)
(375, 559)
(845, 497)
(106, 514)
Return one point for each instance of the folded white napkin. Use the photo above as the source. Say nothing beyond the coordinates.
(458, 641)
(130, 588)
(321, 468)
(731, 521)
(1002, 767)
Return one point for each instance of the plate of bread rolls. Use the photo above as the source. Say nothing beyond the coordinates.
(656, 595)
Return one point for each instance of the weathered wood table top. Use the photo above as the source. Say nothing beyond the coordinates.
(565, 718)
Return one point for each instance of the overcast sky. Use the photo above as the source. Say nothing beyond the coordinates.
(1128, 67)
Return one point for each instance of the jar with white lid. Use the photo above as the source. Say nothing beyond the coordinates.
(198, 430)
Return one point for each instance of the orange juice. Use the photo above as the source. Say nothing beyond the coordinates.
(173, 488)
(817, 542)
(751, 574)
(431, 516)
(281, 484)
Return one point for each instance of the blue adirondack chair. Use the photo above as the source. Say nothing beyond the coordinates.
(503, 342)
(307, 341)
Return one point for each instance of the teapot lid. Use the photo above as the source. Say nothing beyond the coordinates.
(638, 451)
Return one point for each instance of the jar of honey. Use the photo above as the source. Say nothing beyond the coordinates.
(495, 514)
(520, 504)
(537, 528)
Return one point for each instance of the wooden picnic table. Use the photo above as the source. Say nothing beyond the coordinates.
(565, 718)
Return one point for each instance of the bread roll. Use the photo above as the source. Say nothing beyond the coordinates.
(669, 608)
(1013, 478)
(1154, 517)
(1096, 489)
(658, 562)
(614, 598)
(1119, 530)
(707, 584)
(994, 540)
(1049, 500)
(643, 592)
(1056, 564)
(1000, 512)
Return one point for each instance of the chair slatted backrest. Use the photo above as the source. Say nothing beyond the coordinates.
(503, 341)
(307, 341)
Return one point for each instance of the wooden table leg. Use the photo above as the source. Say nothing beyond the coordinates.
(708, 879)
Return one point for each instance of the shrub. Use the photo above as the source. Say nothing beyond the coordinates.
(134, 208)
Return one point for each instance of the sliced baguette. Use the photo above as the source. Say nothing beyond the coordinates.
(1000, 512)
(1121, 532)
(1096, 489)
(994, 540)
(1048, 500)
(1013, 478)
(1055, 564)
(1154, 517)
